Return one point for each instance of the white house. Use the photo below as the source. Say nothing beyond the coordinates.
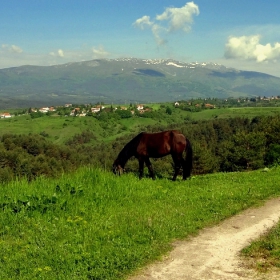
(140, 107)
(44, 109)
(97, 109)
(5, 115)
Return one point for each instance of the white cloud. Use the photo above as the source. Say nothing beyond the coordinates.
(143, 22)
(12, 48)
(100, 52)
(175, 19)
(16, 49)
(179, 18)
(59, 53)
(250, 48)
(9, 57)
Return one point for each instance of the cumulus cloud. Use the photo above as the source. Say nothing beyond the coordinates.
(100, 52)
(143, 22)
(250, 48)
(59, 53)
(12, 48)
(171, 20)
(16, 49)
(179, 18)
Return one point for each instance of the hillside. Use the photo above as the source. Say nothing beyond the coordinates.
(128, 81)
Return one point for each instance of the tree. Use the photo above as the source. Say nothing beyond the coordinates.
(273, 154)
(124, 114)
(249, 150)
(168, 110)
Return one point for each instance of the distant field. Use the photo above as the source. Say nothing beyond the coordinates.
(59, 129)
(248, 112)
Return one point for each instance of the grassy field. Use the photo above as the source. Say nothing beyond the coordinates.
(247, 112)
(60, 129)
(94, 225)
(264, 253)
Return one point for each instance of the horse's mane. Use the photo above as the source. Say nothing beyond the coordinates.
(129, 149)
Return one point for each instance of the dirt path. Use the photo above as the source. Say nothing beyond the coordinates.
(213, 254)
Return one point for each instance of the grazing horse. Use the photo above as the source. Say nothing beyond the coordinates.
(156, 145)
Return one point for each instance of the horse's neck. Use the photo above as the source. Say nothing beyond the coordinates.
(124, 156)
(129, 149)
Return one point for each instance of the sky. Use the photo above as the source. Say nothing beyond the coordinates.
(243, 34)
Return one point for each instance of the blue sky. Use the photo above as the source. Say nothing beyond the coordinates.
(244, 34)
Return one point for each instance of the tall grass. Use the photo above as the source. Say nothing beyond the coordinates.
(93, 225)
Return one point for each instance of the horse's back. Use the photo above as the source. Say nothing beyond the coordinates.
(160, 144)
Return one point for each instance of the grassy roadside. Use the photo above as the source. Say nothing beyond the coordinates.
(93, 225)
(264, 253)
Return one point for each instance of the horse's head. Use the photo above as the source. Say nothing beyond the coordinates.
(117, 168)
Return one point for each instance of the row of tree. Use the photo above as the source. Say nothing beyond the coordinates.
(220, 145)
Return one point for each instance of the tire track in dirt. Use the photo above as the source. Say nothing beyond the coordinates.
(213, 253)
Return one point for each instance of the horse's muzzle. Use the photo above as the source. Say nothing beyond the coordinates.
(118, 170)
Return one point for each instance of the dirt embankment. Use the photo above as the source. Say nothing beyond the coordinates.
(214, 253)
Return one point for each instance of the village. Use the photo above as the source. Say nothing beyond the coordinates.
(80, 111)
(206, 103)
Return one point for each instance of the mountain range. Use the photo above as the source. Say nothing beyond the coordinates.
(128, 80)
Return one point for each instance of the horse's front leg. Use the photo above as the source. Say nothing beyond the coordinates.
(150, 167)
(176, 172)
(141, 168)
(177, 166)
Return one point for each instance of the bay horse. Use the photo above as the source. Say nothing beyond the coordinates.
(156, 145)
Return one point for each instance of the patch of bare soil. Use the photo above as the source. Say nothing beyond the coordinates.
(214, 253)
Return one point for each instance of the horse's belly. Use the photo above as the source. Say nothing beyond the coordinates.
(158, 153)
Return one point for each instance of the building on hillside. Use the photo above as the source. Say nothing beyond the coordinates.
(44, 110)
(210, 106)
(5, 115)
(97, 109)
(140, 107)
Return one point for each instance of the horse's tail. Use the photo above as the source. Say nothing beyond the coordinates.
(188, 161)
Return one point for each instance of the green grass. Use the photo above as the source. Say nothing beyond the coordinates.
(94, 225)
(247, 112)
(59, 129)
(264, 253)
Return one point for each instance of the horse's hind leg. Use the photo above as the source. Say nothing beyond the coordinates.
(150, 167)
(186, 171)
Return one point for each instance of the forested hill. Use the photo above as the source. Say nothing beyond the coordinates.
(128, 81)
(220, 145)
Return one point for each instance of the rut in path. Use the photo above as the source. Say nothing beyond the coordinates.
(213, 254)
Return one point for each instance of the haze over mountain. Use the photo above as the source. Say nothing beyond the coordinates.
(128, 80)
